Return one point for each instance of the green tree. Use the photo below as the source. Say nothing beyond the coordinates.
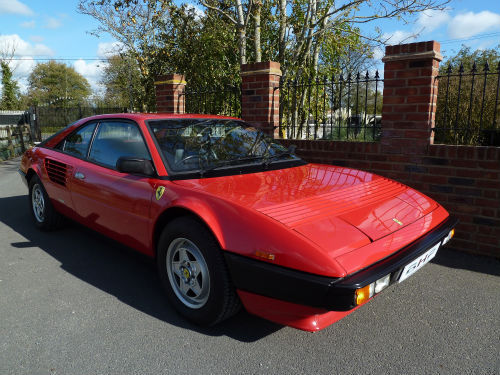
(468, 111)
(10, 90)
(122, 81)
(55, 83)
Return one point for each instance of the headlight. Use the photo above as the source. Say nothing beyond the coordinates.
(382, 283)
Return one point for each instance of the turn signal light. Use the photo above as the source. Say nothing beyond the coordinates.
(264, 255)
(449, 236)
(364, 294)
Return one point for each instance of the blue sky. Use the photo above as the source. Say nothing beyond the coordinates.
(54, 29)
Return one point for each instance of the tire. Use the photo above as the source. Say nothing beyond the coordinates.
(193, 273)
(43, 213)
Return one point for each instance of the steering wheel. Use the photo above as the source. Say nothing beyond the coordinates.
(186, 158)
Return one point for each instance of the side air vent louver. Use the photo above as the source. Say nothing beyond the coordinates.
(56, 171)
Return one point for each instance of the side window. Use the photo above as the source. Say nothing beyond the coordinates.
(77, 143)
(116, 139)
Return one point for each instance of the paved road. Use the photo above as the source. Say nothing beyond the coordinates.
(73, 302)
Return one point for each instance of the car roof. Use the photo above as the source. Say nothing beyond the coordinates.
(153, 116)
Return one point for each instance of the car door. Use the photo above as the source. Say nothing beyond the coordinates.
(117, 204)
(59, 165)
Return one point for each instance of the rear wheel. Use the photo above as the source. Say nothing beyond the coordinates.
(44, 214)
(194, 274)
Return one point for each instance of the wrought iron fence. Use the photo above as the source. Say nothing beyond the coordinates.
(49, 119)
(467, 106)
(340, 108)
(224, 101)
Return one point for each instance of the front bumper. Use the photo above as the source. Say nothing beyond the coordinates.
(332, 294)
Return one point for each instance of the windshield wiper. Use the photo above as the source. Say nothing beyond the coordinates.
(289, 152)
(266, 160)
(229, 162)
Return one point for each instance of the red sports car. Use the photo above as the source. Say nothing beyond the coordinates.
(232, 217)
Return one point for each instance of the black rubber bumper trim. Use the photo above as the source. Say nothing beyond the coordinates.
(335, 294)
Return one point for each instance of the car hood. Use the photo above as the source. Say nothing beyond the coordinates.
(339, 209)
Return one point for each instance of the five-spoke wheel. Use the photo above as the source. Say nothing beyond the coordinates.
(38, 203)
(188, 273)
(193, 272)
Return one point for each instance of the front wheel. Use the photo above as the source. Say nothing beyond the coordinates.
(194, 274)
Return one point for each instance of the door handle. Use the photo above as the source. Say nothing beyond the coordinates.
(79, 175)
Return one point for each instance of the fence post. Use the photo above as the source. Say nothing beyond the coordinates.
(260, 101)
(21, 135)
(36, 124)
(170, 93)
(410, 95)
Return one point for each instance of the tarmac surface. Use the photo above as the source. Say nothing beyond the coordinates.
(74, 302)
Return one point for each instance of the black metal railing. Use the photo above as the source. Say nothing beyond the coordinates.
(224, 101)
(49, 119)
(467, 110)
(337, 108)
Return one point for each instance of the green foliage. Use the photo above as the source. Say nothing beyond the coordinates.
(10, 90)
(122, 81)
(57, 84)
(201, 48)
(468, 110)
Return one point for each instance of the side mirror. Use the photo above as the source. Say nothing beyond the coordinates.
(133, 165)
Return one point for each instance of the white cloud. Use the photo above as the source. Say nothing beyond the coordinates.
(107, 49)
(28, 24)
(53, 23)
(24, 53)
(23, 48)
(92, 71)
(469, 24)
(14, 7)
(199, 13)
(430, 20)
(378, 53)
(37, 38)
(398, 36)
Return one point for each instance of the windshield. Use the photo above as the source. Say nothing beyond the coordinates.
(204, 145)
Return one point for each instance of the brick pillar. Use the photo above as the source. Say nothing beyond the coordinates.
(260, 99)
(410, 94)
(170, 93)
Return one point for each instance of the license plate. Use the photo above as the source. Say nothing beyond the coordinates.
(418, 263)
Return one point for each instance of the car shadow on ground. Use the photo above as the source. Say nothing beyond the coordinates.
(118, 271)
(457, 259)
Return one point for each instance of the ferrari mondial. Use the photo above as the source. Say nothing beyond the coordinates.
(234, 218)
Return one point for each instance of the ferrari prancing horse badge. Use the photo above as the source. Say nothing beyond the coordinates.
(159, 192)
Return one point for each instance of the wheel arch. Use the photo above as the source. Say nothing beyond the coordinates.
(29, 175)
(171, 213)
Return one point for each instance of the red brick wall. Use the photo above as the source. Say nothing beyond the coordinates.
(260, 95)
(169, 91)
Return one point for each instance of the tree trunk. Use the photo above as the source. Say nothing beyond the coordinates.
(242, 44)
(282, 36)
(242, 38)
(258, 51)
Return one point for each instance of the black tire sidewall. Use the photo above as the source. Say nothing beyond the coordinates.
(191, 229)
